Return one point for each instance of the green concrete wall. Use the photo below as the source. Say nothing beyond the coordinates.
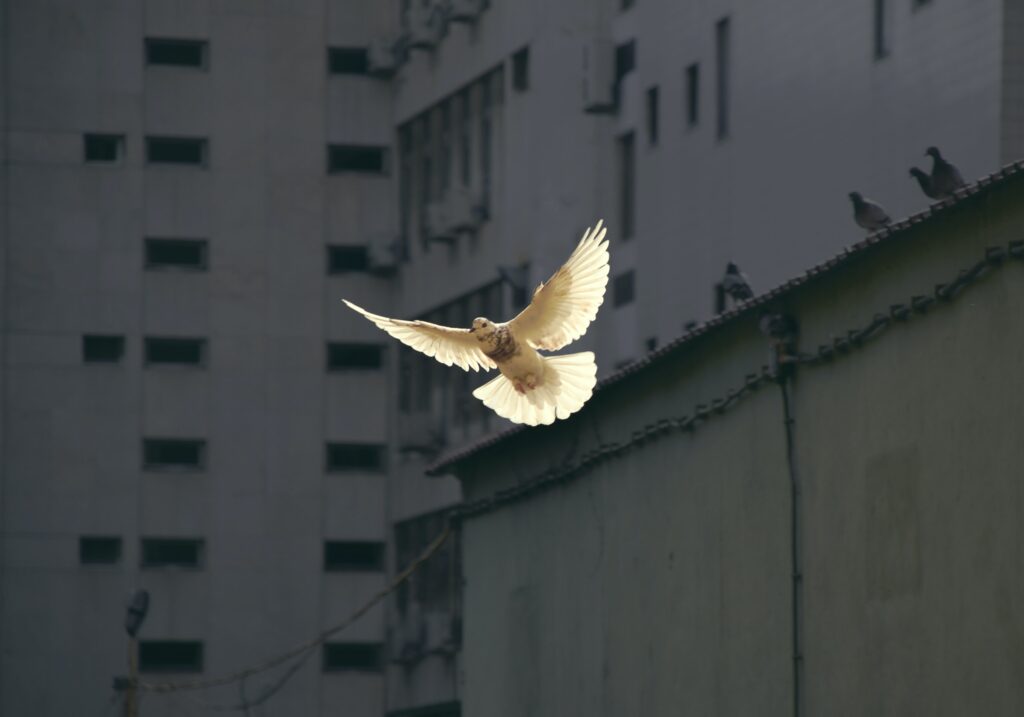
(659, 581)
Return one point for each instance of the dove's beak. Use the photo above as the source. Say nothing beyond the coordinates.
(472, 329)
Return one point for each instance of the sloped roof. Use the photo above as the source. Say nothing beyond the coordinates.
(750, 306)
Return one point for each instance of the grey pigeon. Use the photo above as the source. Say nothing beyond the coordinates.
(735, 285)
(867, 214)
(925, 180)
(946, 178)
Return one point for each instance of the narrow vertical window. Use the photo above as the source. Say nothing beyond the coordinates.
(521, 70)
(692, 95)
(465, 143)
(445, 168)
(627, 181)
(652, 115)
(426, 172)
(405, 170)
(881, 39)
(485, 142)
(722, 76)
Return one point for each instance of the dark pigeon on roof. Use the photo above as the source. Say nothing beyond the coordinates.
(945, 178)
(735, 285)
(868, 214)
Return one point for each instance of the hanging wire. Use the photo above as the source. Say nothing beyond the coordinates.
(918, 306)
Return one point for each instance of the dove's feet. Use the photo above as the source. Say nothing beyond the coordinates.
(518, 386)
(527, 384)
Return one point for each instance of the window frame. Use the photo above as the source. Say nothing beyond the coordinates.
(151, 42)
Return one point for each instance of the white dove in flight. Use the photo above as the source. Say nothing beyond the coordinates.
(531, 389)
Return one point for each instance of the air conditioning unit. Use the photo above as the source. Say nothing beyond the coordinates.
(463, 210)
(382, 58)
(425, 25)
(464, 10)
(599, 76)
(384, 256)
(438, 222)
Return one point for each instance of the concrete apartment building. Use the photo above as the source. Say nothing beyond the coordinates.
(189, 188)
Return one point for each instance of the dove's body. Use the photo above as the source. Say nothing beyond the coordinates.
(532, 388)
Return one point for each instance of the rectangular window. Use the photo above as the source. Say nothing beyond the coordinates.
(486, 108)
(445, 168)
(172, 552)
(103, 147)
(176, 52)
(175, 352)
(102, 349)
(627, 188)
(99, 550)
(343, 259)
(623, 289)
(353, 556)
(465, 138)
(173, 453)
(652, 115)
(692, 95)
(521, 70)
(626, 4)
(170, 656)
(625, 62)
(347, 60)
(405, 170)
(353, 656)
(722, 76)
(347, 356)
(356, 158)
(355, 457)
(185, 254)
(881, 34)
(176, 150)
(425, 184)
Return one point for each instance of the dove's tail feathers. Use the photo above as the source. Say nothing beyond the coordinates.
(567, 384)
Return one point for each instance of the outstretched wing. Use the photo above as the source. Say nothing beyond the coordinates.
(563, 307)
(449, 346)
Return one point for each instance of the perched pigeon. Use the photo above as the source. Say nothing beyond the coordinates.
(735, 285)
(945, 177)
(925, 180)
(867, 214)
(531, 389)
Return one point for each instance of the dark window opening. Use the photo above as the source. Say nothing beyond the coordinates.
(521, 70)
(97, 550)
(178, 53)
(465, 143)
(188, 453)
(623, 289)
(103, 147)
(353, 556)
(921, 3)
(343, 356)
(176, 254)
(627, 188)
(176, 150)
(175, 352)
(355, 158)
(348, 61)
(692, 95)
(170, 656)
(881, 35)
(102, 349)
(434, 586)
(343, 259)
(722, 76)
(652, 115)
(355, 456)
(626, 4)
(353, 656)
(625, 62)
(171, 552)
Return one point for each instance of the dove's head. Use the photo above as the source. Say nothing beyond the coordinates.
(933, 152)
(483, 328)
(856, 197)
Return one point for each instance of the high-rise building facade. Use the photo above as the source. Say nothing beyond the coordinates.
(188, 189)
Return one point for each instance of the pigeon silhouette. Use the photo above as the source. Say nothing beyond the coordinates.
(925, 181)
(868, 214)
(945, 177)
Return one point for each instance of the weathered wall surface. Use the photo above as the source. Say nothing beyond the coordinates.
(659, 581)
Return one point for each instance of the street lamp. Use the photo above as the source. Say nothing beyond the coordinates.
(135, 614)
